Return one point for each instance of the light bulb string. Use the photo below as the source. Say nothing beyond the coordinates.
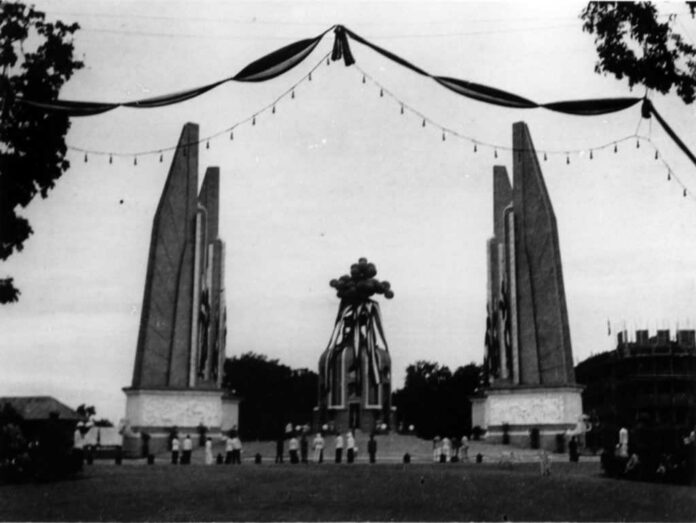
(412, 110)
(671, 174)
(475, 141)
(443, 128)
(216, 134)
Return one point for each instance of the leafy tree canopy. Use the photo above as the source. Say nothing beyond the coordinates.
(272, 394)
(634, 42)
(36, 59)
(86, 411)
(435, 401)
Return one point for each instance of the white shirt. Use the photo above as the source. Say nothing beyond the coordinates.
(339, 442)
(293, 444)
(228, 445)
(78, 439)
(350, 440)
(236, 443)
(188, 444)
(318, 442)
(623, 436)
(175, 444)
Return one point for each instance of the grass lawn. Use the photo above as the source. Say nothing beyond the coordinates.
(461, 492)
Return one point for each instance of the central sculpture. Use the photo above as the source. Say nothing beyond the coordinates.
(355, 368)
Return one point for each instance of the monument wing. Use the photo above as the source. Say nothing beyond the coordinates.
(162, 357)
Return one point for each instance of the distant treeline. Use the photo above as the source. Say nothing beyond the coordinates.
(272, 394)
(434, 400)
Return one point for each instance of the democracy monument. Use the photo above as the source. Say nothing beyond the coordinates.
(528, 361)
(180, 353)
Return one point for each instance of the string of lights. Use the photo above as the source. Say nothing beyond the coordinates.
(671, 175)
(543, 153)
(290, 91)
(425, 120)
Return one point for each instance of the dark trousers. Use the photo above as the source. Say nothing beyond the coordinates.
(228, 457)
(79, 456)
(186, 457)
(339, 455)
(293, 456)
(175, 457)
(305, 452)
(351, 456)
(372, 457)
(236, 457)
(279, 457)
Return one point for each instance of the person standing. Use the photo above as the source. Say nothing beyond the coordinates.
(175, 450)
(372, 448)
(318, 448)
(236, 450)
(446, 453)
(437, 449)
(544, 463)
(456, 444)
(79, 444)
(209, 460)
(339, 447)
(304, 447)
(292, 448)
(464, 452)
(228, 450)
(350, 447)
(188, 447)
(623, 443)
(280, 447)
(573, 450)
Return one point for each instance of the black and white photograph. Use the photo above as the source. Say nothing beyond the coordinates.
(392, 260)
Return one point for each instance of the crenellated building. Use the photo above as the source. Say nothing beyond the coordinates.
(651, 379)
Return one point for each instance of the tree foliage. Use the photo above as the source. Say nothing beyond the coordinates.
(271, 394)
(633, 43)
(36, 59)
(435, 401)
(86, 411)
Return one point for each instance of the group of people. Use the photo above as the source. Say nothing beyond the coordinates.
(298, 449)
(454, 449)
(181, 450)
(645, 459)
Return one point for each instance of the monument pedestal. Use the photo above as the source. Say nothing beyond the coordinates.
(156, 411)
(520, 409)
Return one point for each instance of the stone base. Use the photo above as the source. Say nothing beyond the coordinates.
(156, 411)
(551, 410)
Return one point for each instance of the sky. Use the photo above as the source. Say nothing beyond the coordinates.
(337, 173)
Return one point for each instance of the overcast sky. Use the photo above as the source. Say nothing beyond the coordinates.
(338, 173)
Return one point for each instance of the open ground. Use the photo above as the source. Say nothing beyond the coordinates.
(491, 491)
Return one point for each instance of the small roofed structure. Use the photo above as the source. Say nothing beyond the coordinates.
(43, 446)
(40, 414)
(34, 408)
